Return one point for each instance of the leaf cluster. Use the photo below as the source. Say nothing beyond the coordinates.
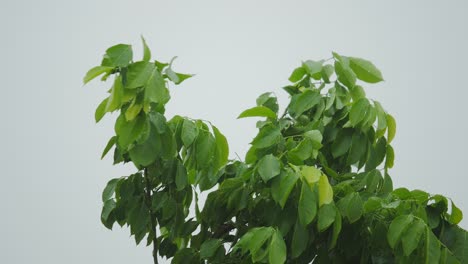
(313, 187)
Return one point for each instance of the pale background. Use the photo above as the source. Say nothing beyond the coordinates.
(51, 174)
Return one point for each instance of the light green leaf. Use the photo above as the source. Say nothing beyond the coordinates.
(277, 249)
(260, 111)
(345, 74)
(283, 185)
(189, 132)
(115, 98)
(109, 145)
(325, 191)
(95, 72)
(390, 157)
(456, 215)
(101, 110)
(382, 117)
(132, 111)
(391, 128)
(307, 207)
(146, 50)
(311, 174)
(297, 74)
(327, 72)
(357, 92)
(326, 217)
(313, 68)
(365, 70)
(138, 74)
(155, 88)
(398, 226)
(316, 137)
(301, 152)
(412, 237)
(119, 55)
(268, 167)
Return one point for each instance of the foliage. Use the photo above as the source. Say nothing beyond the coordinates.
(314, 186)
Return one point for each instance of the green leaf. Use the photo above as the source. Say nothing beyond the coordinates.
(382, 116)
(313, 68)
(307, 207)
(146, 50)
(109, 145)
(132, 111)
(107, 209)
(222, 148)
(268, 136)
(299, 240)
(456, 215)
(119, 55)
(431, 248)
(345, 74)
(303, 102)
(301, 152)
(326, 217)
(391, 128)
(316, 137)
(204, 149)
(325, 191)
(327, 72)
(268, 100)
(209, 248)
(268, 167)
(297, 74)
(277, 249)
(283, 185)
(109, 190)
(189, 132)
(357, 92)
(412, 237)
(390, 157)
(95, 72)
(148, 151)
(181, 176)
(365, 70)
(398, 226)
(260, 111)
(358, 147)
(342, 143)
(139, 73)
(336, 230)
(175, 77)
(129, 131)
(155, 88)
(101, 110)
(358, 111)
(354, 208)
(456, 239)
(259, 237)
(115, 98)
(311, 174)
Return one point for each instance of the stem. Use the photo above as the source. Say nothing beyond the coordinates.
(152, 216)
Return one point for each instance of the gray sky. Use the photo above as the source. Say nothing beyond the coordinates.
(51, 173)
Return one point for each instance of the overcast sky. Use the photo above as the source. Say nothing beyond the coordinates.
(52, 176)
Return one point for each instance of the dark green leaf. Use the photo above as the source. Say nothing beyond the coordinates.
(431, 248)
(303, 102)
(336, 230)
(109, 190)
(209, 248)
(354, 208)
(268, 135)
(268, 167)
(109, 206)
(299, 240)
(129, 131)
(342, 143)
(326, 217)
(181, 176)
(365, 70)
(307, 207)
(283, 185)
(259, 111)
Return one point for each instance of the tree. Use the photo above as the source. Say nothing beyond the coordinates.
(314, 186)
